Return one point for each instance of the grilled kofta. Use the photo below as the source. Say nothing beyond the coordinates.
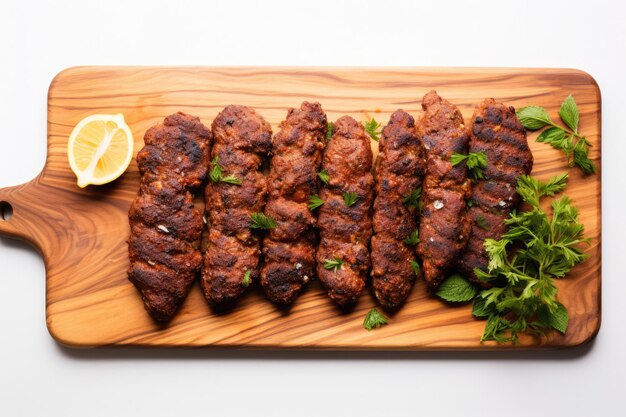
(166, 228)
(400, 168)
(444, 222)
(344, 220)
(497, 132)
(289, 247)
(237, 188)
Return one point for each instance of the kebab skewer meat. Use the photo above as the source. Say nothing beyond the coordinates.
(289, 247)
(496, 131)
(166, 228)
(400, 168)
(344, 220)
(444, 222)
(237, 188)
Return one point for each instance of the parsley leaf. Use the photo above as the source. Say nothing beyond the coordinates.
(559, 319)
(329, 131)
(334, 263)
(482, 223)
(479, 309)
(231, 179)
(315, 201)
(350, 198)
(569, 113)
(261, 221)
(571, 142)
(246, 279)
(555, 137)
(534, 117)
(374, 319)
(532, 189)
(476, 162)
(372, 127)
(456, 289)
(413, 199)
(323, 175)
(415, 267)
(581, 157)
(412, 239)
(216, 174)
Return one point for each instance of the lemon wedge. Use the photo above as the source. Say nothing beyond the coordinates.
(100, 149)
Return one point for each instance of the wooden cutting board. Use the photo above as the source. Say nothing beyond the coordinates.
(82, 233)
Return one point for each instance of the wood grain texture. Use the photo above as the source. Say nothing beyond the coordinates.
(82, 232)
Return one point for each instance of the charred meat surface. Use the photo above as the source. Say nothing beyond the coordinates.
(400, 168)
(344, 220)
(166, 228)
(497, 132)
(444, 222)
(289, 248)
(241, 139)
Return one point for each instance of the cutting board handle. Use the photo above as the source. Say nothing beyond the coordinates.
(20, 212)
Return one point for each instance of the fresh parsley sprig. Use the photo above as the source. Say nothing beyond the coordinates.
(476, 163)
(333, 264)
(531, 189)
(315, 202)
(374, 319)
(415, 267)
(413, 199)
(350, 198)
(217, 175)
(413, 238)
(570, 141)
(324, 176)
(373, 129)
(261, 221)
(246, 279)
(523, 298)
(329, 131)
(482, 223)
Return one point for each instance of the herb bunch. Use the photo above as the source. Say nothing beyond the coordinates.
(523, 298)
(571, 142)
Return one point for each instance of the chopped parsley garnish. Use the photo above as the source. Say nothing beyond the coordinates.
(374, 319)
(350, 198)
(315, 202)
(333, 264)
(261, 221)
(373, 129)
(217, 175)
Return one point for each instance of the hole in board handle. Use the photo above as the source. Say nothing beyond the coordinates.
(6, 211)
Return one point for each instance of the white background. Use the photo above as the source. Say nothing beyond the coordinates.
(38, 377)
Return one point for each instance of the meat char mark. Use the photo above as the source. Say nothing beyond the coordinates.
(345, 231)
(496, 131)
(444, 222)
(289, 249)
(400, 168)
(165, 226)
(241, 139)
